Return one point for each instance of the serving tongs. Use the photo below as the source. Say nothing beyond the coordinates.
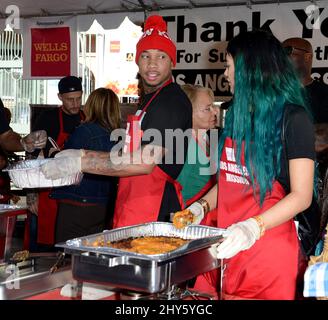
(55, 147)
(54, 143)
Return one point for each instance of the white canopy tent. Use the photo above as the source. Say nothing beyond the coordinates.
(111, 13)
(68, 7)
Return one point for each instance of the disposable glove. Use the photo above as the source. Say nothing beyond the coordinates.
(65, 163)
(240, 236)
(198, 211)
(34, 140)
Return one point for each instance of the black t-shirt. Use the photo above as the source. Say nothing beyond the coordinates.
(299, 140)
(170, 109)
(4, 126)
(49, 121)
(318, 97)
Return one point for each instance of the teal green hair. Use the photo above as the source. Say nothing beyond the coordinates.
(265, 81)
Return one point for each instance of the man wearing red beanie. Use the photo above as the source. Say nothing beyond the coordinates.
(156, 37)
(148, 191)
(164, 106)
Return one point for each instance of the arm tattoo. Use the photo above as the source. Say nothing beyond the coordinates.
(99, 162)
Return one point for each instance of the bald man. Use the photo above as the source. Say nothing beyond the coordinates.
(301, 54)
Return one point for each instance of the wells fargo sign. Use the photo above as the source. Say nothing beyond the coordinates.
(50, 52)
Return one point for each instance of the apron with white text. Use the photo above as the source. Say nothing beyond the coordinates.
(267, 270)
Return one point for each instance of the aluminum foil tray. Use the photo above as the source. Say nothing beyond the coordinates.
(28, 174)
(144, 273)
(11, 207)
(200, 236)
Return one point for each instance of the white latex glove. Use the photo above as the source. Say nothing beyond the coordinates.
(198, 211)
(65, 163)
(240, 236)
(34, 140)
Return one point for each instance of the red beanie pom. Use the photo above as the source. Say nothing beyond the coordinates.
(155, 37)
(155, 22)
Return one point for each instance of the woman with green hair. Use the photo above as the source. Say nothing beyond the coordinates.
(263, 181)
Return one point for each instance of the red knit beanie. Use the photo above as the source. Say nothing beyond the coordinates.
(155, 37)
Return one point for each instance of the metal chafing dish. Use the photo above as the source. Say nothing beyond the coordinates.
(139, 272)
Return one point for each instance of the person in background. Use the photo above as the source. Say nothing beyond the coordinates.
(197, 175)
(256, 196)
(6, 196)
(321, 148)
(8, 114)
(10, 155)
(11, 141)
(85, 208)
(148, 190)
(59, 123)
(301, 53)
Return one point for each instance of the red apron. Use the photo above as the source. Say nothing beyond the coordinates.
(139, 197)
(268, 270)
(47, 209)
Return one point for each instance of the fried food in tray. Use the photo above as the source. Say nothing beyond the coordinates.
(144, 245)
(183, 218)
(21, 255)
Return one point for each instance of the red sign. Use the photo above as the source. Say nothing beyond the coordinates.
(115, 46)
(50, 52)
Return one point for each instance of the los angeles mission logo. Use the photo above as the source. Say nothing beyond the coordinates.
(233, 172)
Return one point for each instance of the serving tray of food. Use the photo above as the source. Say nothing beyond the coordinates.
(109, 258)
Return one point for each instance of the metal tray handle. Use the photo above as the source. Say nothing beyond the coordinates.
(109, 262)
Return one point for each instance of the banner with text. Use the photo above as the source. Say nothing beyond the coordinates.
(201, 36)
